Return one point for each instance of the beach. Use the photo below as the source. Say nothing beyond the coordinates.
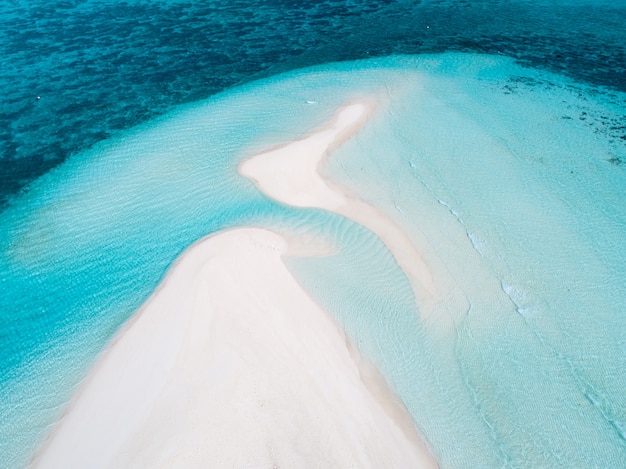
(292, 174)
(231, 364)
(362, 264)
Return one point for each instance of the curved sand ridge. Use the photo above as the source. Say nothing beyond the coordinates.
(290, 174)
(231, 364)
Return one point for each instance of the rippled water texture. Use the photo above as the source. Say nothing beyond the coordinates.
(510, 180)
(507, 179)
(101, 67)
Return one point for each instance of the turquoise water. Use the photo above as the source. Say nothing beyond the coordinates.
(518, 205)
(508, 179)
(101, 67)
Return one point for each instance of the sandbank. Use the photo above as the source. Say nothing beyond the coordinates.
(291, 174)
(231, 364)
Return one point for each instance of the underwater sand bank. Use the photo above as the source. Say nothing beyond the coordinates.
(231, 364)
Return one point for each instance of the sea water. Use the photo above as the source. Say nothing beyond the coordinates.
(77, 72)
(518, 206)
(515, 202)
(509, 180)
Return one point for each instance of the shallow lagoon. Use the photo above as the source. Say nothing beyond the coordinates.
(509, 181)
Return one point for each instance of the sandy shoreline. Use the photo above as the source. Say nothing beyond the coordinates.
(290, 173)
(231, 364)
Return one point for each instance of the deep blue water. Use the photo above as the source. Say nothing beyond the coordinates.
(101, 67)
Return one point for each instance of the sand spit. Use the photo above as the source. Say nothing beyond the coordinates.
(231, 364)
(290, 174)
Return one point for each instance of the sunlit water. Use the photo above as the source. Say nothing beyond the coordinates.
(509, 180)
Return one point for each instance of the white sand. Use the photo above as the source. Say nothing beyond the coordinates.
(291, 175)
(231, 364)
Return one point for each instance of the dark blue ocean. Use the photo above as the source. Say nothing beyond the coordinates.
(93, 211)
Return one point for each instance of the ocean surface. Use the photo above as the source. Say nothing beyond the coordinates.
(501, 150)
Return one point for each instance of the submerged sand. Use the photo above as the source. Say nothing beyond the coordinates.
(291, 174)
(231, 364)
